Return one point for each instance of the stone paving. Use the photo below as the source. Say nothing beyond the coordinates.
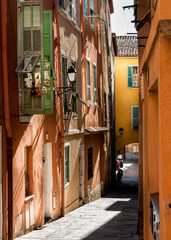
(113, 217)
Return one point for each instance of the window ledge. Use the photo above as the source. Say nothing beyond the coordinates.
(30, 197)
(75, 116)
(67, 184)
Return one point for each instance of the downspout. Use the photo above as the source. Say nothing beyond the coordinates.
(83, 55)
(60, 107)
(7, 119)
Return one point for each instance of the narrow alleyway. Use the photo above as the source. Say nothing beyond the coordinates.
(113, 217)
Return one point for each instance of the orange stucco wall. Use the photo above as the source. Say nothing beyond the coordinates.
(156, 104)
(125, 98)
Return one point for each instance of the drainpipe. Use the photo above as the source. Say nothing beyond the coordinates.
(60, 107)
(7, 119)
(83, 55)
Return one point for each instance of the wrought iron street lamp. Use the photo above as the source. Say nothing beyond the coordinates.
(71, 74)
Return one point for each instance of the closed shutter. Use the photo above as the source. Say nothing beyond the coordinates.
(66, 164)
(48, 56)
(135, 117)
(129, 75)
(88, 81)
(95, 84)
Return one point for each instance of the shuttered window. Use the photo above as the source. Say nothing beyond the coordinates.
(135, 117)
(90, 163)
(71, 8)
(85, 7)
(67, 163)
(36, 70)
(31, 30)
(66, 103)
(74, 90)
(129, 76)
(61, 4)
(95, 83)
(88, 81)
(91, 12)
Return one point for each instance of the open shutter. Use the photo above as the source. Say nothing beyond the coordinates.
(129, 70)
(48, 56)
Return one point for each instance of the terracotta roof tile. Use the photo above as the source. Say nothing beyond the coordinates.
(126, 46)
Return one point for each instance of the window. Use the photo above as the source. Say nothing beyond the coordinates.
(31, 28)
(134, 117)
(95, 83)
(132, 76)
(85, 7)
(104, 35)
(61, 4)
(105, 110)
(71, 8)
(90, 163)
(67, 156)
(74, 90)
(65, 84)
(91, 12)
(35, 69)
(88, 81)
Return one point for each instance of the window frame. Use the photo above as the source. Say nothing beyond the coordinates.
(61, 4)
(90, 164)
(95, 84)
(85, 8)
(71, 5)
(132, 118)
(88, 80)
(136, 81)
(65, 82)
(67, 180)
(74, 89)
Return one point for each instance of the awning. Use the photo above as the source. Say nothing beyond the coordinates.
(95, 129)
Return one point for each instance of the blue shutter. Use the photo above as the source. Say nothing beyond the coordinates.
(129, 75)
(48, 56)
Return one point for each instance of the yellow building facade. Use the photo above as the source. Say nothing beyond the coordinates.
(126, 91)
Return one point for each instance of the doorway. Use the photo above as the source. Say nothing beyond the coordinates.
(1, 182)
(47, 181)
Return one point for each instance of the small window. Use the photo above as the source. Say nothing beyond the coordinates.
(90, 163)
(71, 8)
(65, 84)
(61, 4)
(74, 90)
(132, 72)
(85, 8)
(31, 28)
(134, 117)
(88, 81)
(67, 158)
(95, 83)
(91, 12)
(104, 35)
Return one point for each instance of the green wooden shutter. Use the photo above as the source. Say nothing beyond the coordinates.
(48, 56)
(66, 164)
(135, 117)
(129, 71)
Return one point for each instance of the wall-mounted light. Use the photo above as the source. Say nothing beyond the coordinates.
(121, 131)
(71, 74)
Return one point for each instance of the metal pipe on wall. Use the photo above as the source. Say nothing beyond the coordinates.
(6, 108)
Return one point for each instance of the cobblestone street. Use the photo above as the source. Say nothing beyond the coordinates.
(114, 216)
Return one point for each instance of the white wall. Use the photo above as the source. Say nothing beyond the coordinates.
(47, 179)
